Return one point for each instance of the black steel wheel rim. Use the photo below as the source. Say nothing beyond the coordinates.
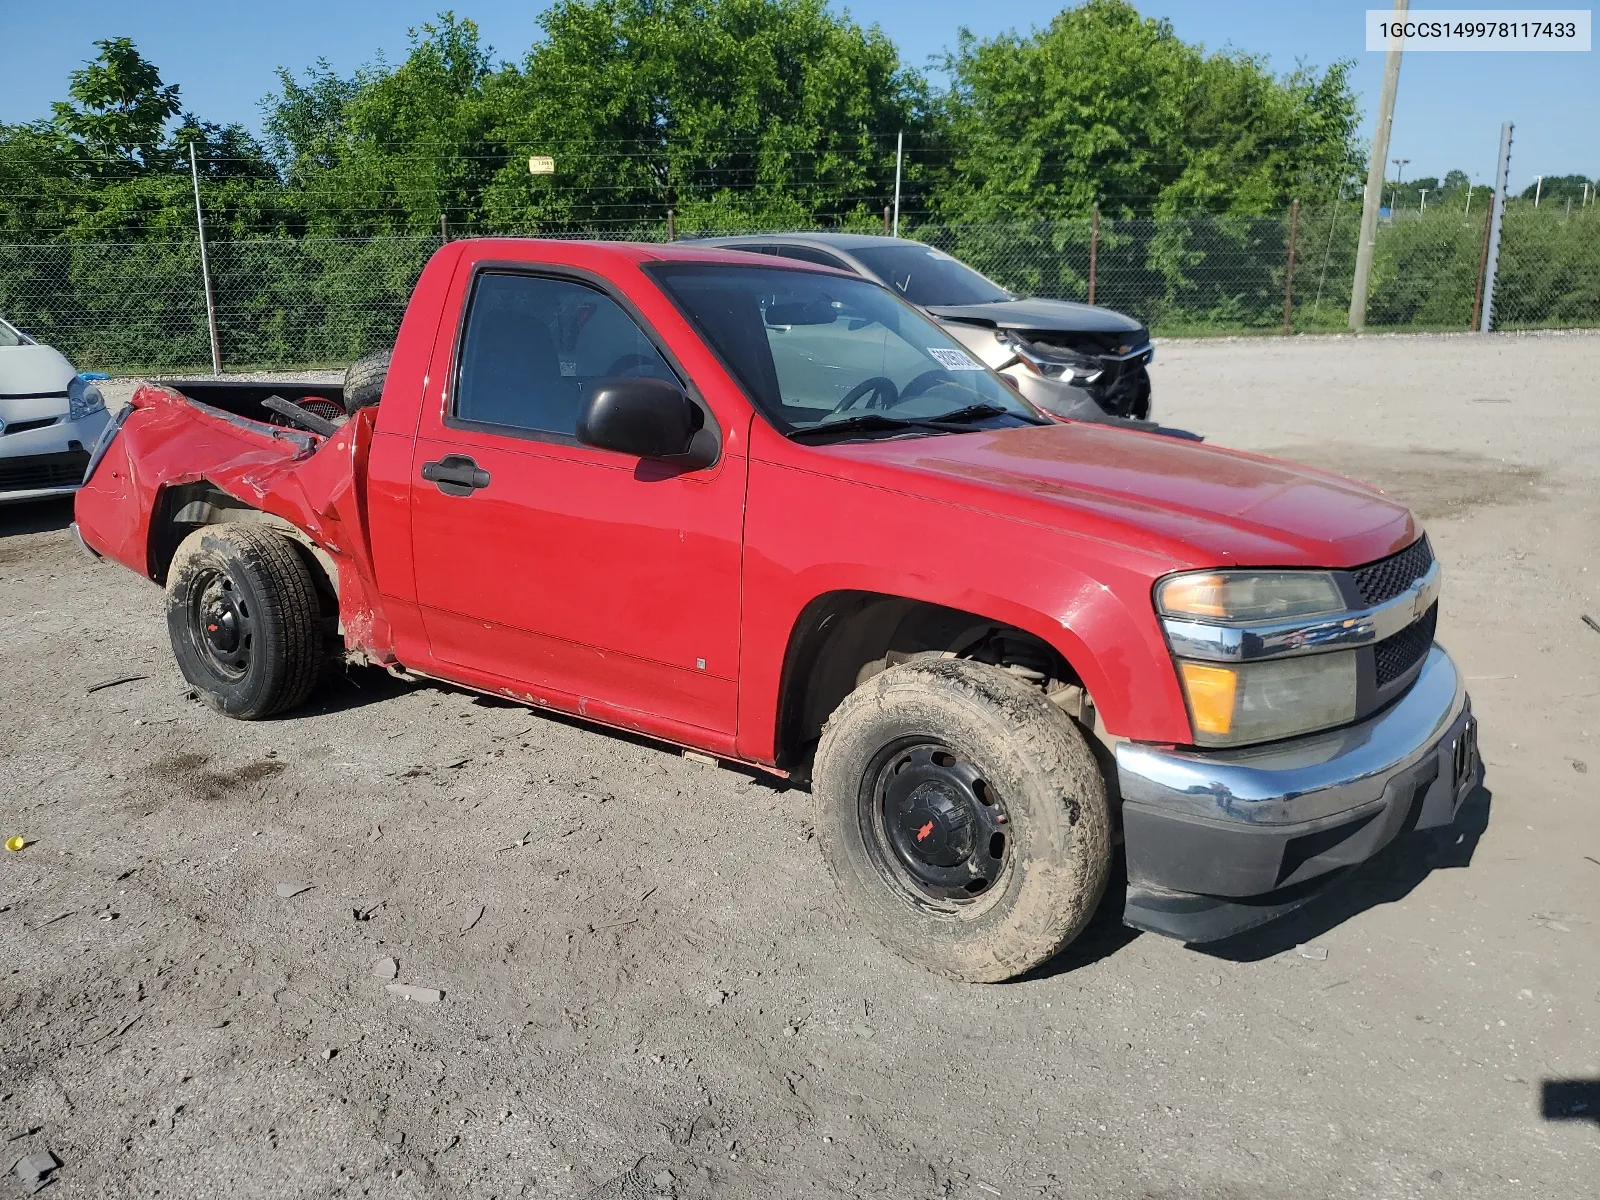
(223, 624)
(934, 826)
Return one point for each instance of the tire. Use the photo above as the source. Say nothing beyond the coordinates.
(363, 381)
(1039, 788)
(253, 584)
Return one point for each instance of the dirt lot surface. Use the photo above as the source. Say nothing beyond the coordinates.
(649, 988)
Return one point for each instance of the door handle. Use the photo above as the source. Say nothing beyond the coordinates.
(455, 475)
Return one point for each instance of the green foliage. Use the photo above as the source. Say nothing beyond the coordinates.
(734, 113)
(1106, 107)
(739, 115)
(1558, 189)
(119, 108)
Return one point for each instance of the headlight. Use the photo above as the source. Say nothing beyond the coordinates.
(1051, 361)
(83, 398)
(1229, 597)
(1271, 699)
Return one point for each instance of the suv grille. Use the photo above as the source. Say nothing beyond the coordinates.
(1396, 655)
(43, 471)
(1385, 579)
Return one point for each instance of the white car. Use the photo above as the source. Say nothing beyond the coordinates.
(50, 419)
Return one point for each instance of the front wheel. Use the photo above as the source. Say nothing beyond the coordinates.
(244, 619)
(964, 816)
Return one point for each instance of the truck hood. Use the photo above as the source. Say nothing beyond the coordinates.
(33, 371)
(1193, 503)
(1060, 315)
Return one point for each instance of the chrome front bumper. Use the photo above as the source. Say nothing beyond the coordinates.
(1219, 841)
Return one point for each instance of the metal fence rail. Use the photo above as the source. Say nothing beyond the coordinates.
(285, 302)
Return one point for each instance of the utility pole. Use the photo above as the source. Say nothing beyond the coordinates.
(1468, 211)
(899, 145)
(1497, 212)
(1538, 186)
(1399, 182)
(1424, 207)
(1374, 192)
(205, 267)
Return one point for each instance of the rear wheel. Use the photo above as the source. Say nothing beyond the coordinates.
(964, 816)
(244, 619)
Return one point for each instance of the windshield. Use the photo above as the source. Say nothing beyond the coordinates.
(10, 337)
(817, 350)
(927, 276)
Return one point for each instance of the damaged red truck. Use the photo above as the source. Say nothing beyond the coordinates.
(769, 512)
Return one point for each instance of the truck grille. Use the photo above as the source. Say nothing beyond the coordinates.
(1396, 655)
(43, 471)
(1385, 579)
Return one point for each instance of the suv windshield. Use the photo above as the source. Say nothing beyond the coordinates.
(927, 276)
(817, 350)
(11, 337)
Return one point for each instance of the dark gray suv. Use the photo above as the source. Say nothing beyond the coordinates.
(1074, 360)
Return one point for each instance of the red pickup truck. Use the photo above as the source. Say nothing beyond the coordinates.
(772, 513)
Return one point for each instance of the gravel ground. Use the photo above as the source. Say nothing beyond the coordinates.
(649, 988)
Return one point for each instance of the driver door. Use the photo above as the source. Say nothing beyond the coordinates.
(599, 582)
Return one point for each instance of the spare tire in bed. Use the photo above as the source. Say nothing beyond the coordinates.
(363, 381)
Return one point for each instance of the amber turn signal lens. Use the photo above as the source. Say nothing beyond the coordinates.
(1195, 595)
(1211, 693)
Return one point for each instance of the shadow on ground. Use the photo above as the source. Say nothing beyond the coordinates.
(1570, 1100)
(35, 516)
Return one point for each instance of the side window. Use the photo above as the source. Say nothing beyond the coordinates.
(533, 345)
(806, 254)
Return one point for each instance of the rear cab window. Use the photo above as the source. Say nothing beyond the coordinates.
(533, 345)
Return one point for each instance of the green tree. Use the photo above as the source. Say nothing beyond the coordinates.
(1560, 189)
(733, 112)
(1103, 106)
(119, 108)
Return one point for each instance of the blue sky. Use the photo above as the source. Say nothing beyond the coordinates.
(223, 54)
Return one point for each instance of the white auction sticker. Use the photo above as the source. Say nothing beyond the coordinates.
(1478, 29)
(953, 360)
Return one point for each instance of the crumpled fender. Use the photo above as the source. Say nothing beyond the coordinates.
(307, 480)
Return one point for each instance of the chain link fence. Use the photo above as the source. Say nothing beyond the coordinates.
(283, 303)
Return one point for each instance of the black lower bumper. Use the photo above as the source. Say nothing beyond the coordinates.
(1204, 865)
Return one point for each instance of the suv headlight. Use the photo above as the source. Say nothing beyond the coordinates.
(83, 398)
(1051, 362)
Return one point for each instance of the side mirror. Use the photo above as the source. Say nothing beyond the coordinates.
(650, 418)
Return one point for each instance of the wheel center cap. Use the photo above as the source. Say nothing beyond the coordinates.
(221, 627)
(937, 825)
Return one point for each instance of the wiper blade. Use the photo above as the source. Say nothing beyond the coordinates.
(977, 412)
(972, 412)
(863, 422)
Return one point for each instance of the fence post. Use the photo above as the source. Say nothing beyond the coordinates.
(1497, 212)
(1094, 247)
(885, 220)
(672, 226)
(1483, 266)
(444, 230)
(205, 268)
(1288, 273)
